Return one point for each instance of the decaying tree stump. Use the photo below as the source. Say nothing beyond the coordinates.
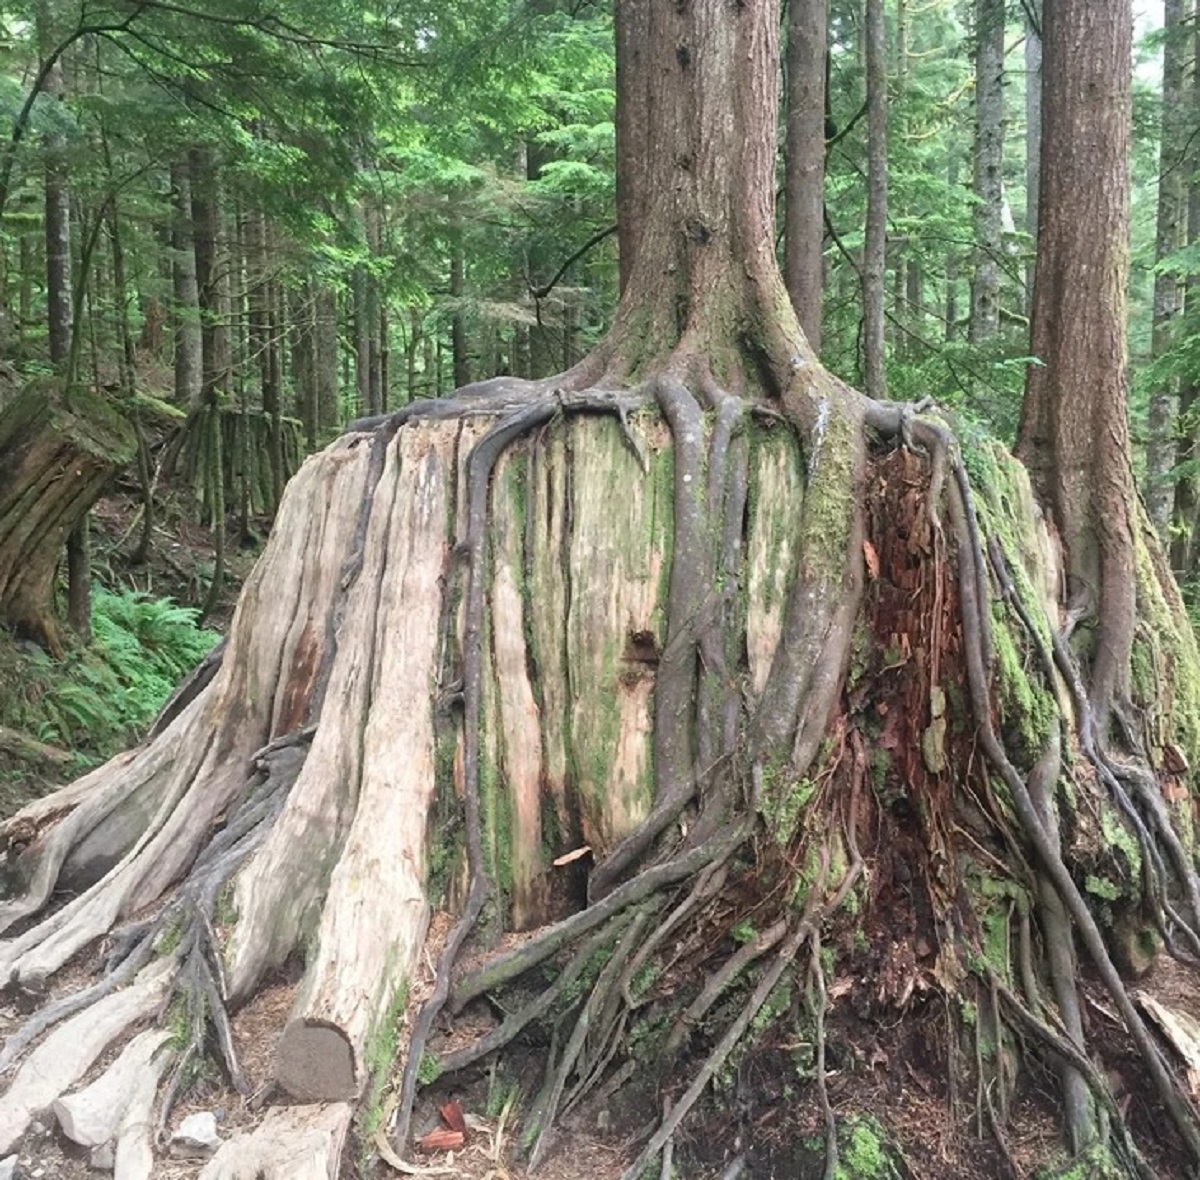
(60, 450)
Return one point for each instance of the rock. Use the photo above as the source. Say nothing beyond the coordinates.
(8, 1168)
(196, 1137)
(102, 1158)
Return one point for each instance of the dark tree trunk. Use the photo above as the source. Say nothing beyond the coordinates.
(1033, 132)
(459, 345)
(1074, 432)
(1186, 541)
(326, 358)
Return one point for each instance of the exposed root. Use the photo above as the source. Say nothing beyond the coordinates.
(971, 558)
(480, 465)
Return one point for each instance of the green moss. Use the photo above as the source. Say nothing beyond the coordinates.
(1028, 712)
(1166, 663)
(1096, 1163)
(865, 1151)
(1101, 887)
(1120, 839)
(784, 801)
(429, 1070)
(378, 1055)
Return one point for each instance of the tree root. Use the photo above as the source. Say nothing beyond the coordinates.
(971, 558)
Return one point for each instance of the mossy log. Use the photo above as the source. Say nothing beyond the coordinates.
(57, 452)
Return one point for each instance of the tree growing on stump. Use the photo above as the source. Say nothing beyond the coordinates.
(753, 703)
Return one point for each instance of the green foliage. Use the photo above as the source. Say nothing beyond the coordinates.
(102, 697)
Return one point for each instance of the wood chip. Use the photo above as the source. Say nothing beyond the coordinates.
(568, 857)
(441, 1139)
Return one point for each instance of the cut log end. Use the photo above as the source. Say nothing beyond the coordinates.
(315, 1063)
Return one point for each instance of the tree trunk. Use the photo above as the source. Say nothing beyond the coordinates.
(804, 224)
(1185, 543)
(1033, 133)
(1162, 423)
(211, 280)
(745, 697)
(1074, 434)
(874, 345)
(186, 306)
(61, 324)
(989, 169)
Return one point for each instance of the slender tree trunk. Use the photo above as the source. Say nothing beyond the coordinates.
(373, 310)
(1185, 543)
(326, 358)
(989, 166)
(804, 224)
(211, 283)
(458, 319)
(875, 244)
(1033, 134)
(61, 325)
(1172, 211)
(362, 341)
(302, 319)
(185, 310)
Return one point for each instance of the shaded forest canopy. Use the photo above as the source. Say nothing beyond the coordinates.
(633, 750)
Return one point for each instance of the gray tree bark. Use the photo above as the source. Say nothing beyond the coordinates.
(1171, 215)
(875, 246)
(989, 164)
(804, 217)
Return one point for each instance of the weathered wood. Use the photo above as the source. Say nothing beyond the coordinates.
(194, 772)
(777, 498)
(71, 1049)
(375, 914)
(135, 1157)
(621, 533)
(517, 720)
(278, 892)
(93, 1115)
(57, 453)
(291, 1143)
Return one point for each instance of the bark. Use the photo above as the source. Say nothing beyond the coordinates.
(1162, 421)
(1187, 487)
(59, 453)
(212, 285)
(186, 306)
(875, 242)
(326, 360)
(1033, 133)
(804, 224)
(458, 319)
(989, 169)
(1074, 434)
